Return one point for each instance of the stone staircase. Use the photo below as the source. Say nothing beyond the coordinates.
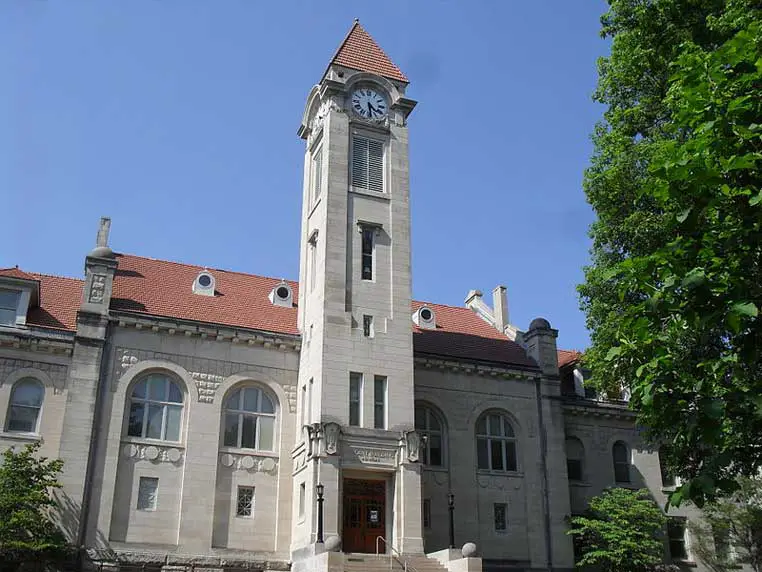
(380, 563)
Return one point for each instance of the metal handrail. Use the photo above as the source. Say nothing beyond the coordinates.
(405, 565)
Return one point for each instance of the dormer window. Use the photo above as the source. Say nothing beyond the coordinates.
(204, 284)
(9, 302)
(282, 295)
(425, 318)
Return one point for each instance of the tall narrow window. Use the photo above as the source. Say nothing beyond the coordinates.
(304, 405)
(379, 402)
(355, 399)
(426, 513)
(25, 405)
(249, 420)
(148, 488)
(621, 455)
(667, 479)
(317, 174)
(309, 399)
(156, 409)
(312, 263)
(495, 443)
(302, 498)
(430, 427)
(501, 517)
(245, 504)
(575, 455)
(367, 326)
(367, 253)
(8, 304)
(367, 164)
(676, 535)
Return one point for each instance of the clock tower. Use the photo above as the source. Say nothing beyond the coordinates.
(355, 418)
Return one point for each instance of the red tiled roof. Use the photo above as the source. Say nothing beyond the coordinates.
(59, 302)
(162, 288)
(360, 52)
(14, 272)
(566, 357)
(460, 333)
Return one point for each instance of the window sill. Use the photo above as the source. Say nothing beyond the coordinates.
(14, 436)
(579, 484)
(681, 562)
(155, 442)
(252, 452)
(514, 474)
(435, 468)
(372, 194)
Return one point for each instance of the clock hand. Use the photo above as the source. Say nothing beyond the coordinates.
(373, 110)
(369, 112)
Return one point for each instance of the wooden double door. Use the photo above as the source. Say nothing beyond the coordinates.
(364, 515)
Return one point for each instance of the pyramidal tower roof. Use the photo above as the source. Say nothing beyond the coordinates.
(360, 52)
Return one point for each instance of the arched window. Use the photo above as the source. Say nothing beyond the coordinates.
(621, 457)
(431, 429)
(495, 443)
(25, 405)
(249, 419)
(156, 409)
(575, 459)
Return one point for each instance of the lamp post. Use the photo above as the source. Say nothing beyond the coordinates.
(319, 488)
(451, 505)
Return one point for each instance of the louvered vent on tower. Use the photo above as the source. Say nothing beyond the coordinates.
(368, 164)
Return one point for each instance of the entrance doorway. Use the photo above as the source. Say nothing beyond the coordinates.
(364, 515)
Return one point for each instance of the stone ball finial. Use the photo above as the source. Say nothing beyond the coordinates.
(468, 550)
(101, 252)
(332, 544)
(539, 324)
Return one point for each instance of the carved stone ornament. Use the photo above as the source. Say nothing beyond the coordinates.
(97, 288)
(413, 442)
(375, 456)
(331, 432)
(250, 463)
(319, 118)
(153, 453)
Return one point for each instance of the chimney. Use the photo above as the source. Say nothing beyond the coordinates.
(540, 343)
(500, 308)
(100, 267)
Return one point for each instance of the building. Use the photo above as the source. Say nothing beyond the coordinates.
(198, 410)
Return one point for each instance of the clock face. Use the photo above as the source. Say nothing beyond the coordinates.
(369, 104)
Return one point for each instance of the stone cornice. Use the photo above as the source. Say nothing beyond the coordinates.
(594, 408)
(285, 342)
(474, 368)
(37, 340)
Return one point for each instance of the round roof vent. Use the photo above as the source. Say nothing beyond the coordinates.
(424, 317)
(204, 284)
(282, 295)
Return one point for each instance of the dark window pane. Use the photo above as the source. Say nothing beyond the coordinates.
(378, 416)
(507, 428)
(157, 388)
(135, 422)
(574, 469)
(231, 430)
(494, 425)
(155, 414)
(250, 395)
(434, 422)
(510, 456)
(175, 395)
(266, 405)
(620, 453)
(500, 516)
(482, 453)
(140, 389)
(23, 419)
(435, 448)
(496, 455)
(622, 472)
(27, 392)
(481, 426)
(420, 418)
(677, 550)
(249, 432)
(233, 401)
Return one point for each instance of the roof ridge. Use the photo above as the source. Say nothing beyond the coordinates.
(204, 267)
(43, 274)
(346, 56)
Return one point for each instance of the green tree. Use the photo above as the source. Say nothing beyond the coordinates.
(27, 532)
(731, 531)
(622, 531)
(673, 292)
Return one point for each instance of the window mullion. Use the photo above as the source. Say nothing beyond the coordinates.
(240, 430)
(145, 418)
(163, 422)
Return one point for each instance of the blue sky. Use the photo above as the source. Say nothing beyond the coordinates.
(178, 119)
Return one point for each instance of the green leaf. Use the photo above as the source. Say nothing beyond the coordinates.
(745, 309)
(613, 352)
(684, 214)
(694, 278)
